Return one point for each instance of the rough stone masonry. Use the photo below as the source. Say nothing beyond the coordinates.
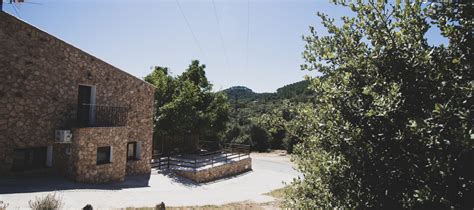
(39, 81)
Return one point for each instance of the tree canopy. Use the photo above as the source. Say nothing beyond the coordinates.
(391, 126)
(186, 104)
(261, 119)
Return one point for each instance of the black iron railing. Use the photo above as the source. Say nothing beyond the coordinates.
(232, 152)
(93, 115)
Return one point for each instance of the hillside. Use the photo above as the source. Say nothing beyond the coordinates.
(296, 91)
(246, 107)
(240, 92)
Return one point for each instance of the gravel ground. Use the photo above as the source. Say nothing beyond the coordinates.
(270, 171)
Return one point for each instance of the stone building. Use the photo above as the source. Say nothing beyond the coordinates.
(63, 111)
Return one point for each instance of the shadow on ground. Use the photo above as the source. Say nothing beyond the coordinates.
(178, 179)
(56, 183)
(190, 183)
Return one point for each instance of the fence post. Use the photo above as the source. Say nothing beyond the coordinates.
(226, 157)
(194, 164)
(168, 162)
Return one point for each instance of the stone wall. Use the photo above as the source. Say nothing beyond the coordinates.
(210, 174)
(84, 153)
(39, 80)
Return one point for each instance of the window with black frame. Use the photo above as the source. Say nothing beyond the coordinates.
(104, 155)
(132, 151)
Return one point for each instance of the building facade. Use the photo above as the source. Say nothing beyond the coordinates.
(65, 111)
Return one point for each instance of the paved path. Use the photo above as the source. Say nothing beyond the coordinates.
(269, 173)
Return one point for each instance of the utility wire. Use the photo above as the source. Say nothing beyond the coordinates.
(190, 29)
(30, 2)
(220, 35)
(16, 10)
(248, 37)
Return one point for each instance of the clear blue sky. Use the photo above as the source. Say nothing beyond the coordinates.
(137, 34)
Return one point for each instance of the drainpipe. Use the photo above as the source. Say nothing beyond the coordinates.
(1, 5)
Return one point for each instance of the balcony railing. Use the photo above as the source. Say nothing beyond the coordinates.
(93, 115)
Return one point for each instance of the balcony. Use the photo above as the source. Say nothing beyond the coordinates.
(93, 115)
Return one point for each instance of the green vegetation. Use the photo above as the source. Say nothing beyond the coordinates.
(388, 125)
(263, 120)
(279, 193)
(391, 126)
(297, 91)
(185, 104)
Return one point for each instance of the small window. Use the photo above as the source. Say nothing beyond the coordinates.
(104, 155)
(131, 151)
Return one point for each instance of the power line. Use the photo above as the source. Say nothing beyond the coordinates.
(220, 35)
(16, 10)
(190, 29)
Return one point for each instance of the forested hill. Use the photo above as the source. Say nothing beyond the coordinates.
(240, 92)
(293, 90)
(296, 91)
(249, 112)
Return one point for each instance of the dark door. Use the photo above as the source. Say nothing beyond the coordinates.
(83, 105)
(30, 158)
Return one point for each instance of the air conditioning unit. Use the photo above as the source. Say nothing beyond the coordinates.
(63, 136)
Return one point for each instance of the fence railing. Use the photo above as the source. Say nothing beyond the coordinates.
(93, 115)
(204, 160)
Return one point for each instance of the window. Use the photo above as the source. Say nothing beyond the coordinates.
(30, 158)
(104, 155)
(131, 150)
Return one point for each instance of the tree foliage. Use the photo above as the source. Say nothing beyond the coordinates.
(391, 126)
(186, 104)
(268, 111)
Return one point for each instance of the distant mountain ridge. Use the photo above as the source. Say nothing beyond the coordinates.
(294, 89)
(240, 92)
(290, 91)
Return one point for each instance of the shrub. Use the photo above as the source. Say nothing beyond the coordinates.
(393, 125)
(48, 202)
(3, 206)
(260, 138)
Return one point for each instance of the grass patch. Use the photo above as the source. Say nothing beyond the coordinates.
(279, 194)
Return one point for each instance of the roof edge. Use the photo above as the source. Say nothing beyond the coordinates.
(21, 21)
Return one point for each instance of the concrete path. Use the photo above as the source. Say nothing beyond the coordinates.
(269, 173)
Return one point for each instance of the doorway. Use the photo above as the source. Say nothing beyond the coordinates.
(86, 105)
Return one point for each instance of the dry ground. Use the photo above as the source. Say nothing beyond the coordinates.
(278, 194)
(245, 191)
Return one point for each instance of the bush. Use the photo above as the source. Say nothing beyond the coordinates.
(49, 202)
(3, 206)
(260, 138)
(393, 125)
